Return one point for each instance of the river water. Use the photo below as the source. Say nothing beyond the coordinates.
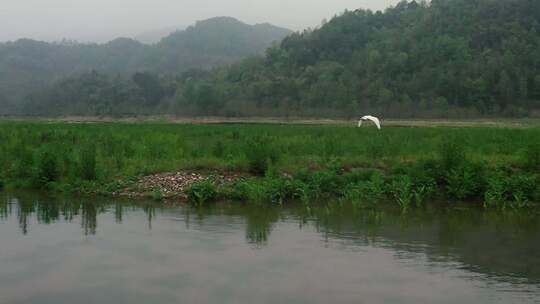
(73, 250)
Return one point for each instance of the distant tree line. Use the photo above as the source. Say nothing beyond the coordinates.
(445, 58)
(28, 66)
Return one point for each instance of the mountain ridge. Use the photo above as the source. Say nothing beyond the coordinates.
(28, 65)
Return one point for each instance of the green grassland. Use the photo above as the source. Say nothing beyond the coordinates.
(411, 166)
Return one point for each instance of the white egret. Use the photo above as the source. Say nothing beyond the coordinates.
(374, 119)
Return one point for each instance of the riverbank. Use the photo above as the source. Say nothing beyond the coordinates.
(498, 167)
(216, 120)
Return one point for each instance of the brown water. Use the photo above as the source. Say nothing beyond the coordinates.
(90, 251)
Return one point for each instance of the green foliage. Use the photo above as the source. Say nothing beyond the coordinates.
(261, 154)
(365, 192)
(209, 43)
(47, 168)
(105, 158)
(157, 195)
(275, 190)
(88, 162)
(466, 181)
(403, 192)
(451, 154)
(202, 192)
(452, 58)
(510, 190)
(532, 155)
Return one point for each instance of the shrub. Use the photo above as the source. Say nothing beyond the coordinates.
(495, 195)
(260, 154)
(22, 164)
(422, 177)
(202, 192)
(402, 190)
(249, 190)
(465, 181)
(87, 164)
(360, 176)
(365, 193)
(451, 154)
(157, 195)
(218, 149)
(277, 190)
(271, 190)
(324, 183)
(532, 156)
(511, 190)
(47, 168)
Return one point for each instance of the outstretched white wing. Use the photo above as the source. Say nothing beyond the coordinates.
(375, 120)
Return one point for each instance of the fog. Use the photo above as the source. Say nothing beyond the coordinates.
(103, 20)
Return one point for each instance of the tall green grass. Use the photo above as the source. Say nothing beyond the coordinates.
(408, 165)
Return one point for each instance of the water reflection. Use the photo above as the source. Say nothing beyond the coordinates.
(502, 245)
(260, 221)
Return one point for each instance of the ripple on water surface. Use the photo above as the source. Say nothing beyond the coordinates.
(61, 250)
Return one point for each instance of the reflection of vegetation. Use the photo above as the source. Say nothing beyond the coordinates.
(259, 223)
(26, 207)
(89, 217)
(484, 241)
(4, 208)
(48, 210)
(150, 211)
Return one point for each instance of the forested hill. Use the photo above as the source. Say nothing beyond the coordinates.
(28, 65)
(446, 58)
(451, 57)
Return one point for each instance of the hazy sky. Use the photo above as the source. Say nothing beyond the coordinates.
(101, 20)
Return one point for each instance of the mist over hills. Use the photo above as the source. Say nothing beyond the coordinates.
(445, 58)
(28, 66)
(155, 36)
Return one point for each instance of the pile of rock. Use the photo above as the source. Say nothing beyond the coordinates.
(176, 184)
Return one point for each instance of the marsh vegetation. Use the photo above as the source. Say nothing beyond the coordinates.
(492, 166)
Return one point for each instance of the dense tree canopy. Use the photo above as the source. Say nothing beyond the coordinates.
(448, 58)
(445, 58)
(29, 66)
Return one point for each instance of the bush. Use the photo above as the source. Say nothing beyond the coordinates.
(511, 190)
(532, 156)
(47, 168)
(324, 183)
(364, 193)
(277, 190)
(247, 191)
(22, 164)
(271, 190)
(451, 154)
(157, 195)
(202, 192)
(495, 195)
(260, 154)
(360, 176)
(465, 181)
(402, 190)
(87, 164)
(218, 149)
